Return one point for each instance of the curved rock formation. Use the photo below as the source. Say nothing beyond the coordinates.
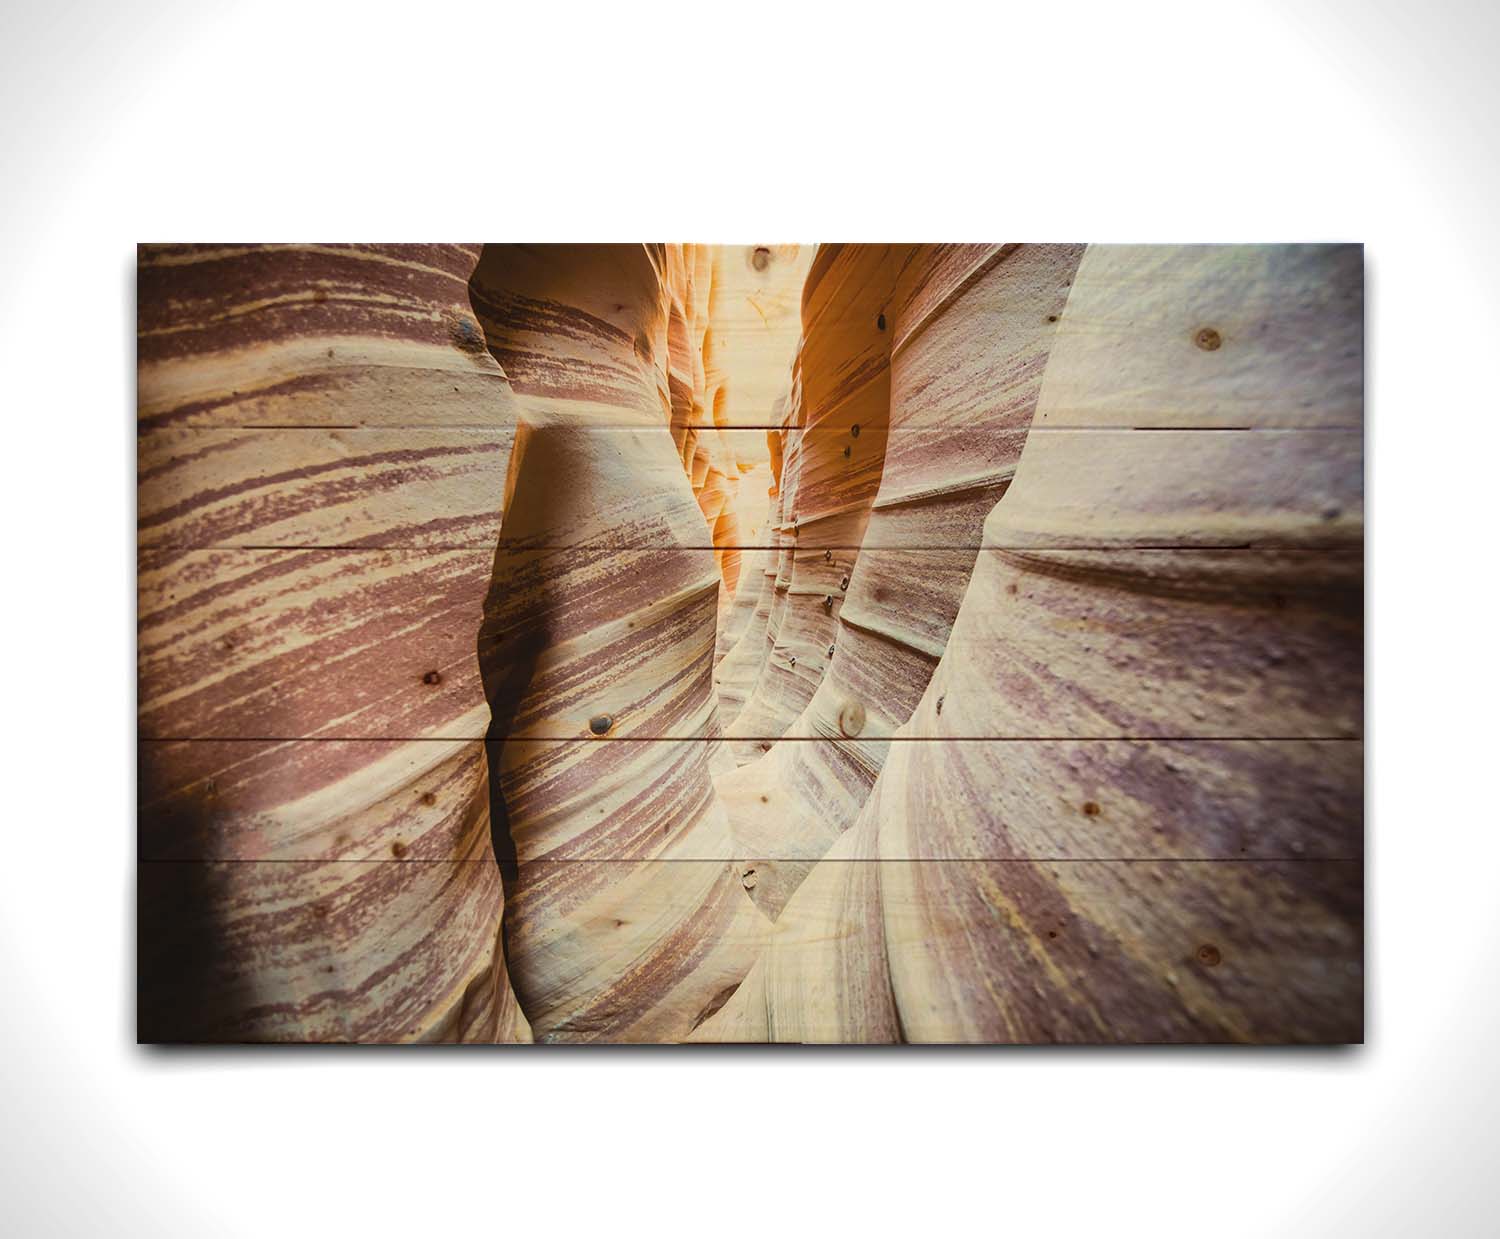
(999, 681)
(626, 918)
(740, 667)
(320, 432)
(841, 398)
(941, 455)
(1094, 826)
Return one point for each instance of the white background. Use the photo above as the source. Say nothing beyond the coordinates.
(925, 121)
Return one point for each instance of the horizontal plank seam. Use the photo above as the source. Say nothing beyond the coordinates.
(893, 739)
(721, 860)
(1308, 547)
(502, 426)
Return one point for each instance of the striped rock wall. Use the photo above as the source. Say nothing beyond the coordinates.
(326, 449)
(957, 418)
(841, 400)
(743, 661)
(1128, 806)
(457, 595)
(625, 917)
(322, 439)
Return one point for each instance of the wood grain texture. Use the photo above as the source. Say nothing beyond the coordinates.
(298, 644)
(864, 625)
(212, 488)
(596, 643)
(326, 704)
(605, 641)
(1062, 927)
(1102, 799)
(840, 396)
(385, 951)
(328, 800)
(737, 672)
(402, 488)
(312, 335)
(1092, 952)
(1212, 336)
(738, 610)
(304, 892)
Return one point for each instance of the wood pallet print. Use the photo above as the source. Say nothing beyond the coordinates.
(694, 643)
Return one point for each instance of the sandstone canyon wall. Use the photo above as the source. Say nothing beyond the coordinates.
(919, 642)
(322, 439)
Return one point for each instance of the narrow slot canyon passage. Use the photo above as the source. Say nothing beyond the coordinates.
(746, 859)
(836, 643)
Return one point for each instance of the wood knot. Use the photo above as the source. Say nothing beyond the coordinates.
(844, 583)
(880, 322)
(1208, 955)
(466, 336)
(760, 258)
(1091, 808)
(398, 849)
(828, 603)
(854, 431)
(433, 677)
(747, 879)
(852, 718)
(1207, 339)
(600, 724)
(429, 798)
